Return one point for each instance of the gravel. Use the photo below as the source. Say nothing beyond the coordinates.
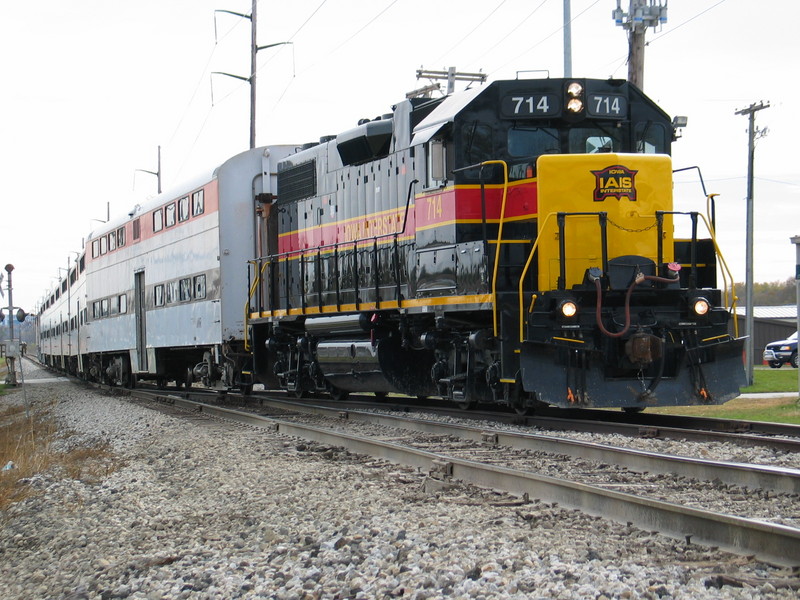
(200, 509)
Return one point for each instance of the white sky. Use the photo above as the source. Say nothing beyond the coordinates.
(91, 88)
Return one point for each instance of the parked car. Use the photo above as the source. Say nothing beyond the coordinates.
(783, 351)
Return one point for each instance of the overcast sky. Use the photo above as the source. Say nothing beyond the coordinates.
(91, 88)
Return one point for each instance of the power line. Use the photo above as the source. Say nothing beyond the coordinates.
(543, 40)
(481, 22)
(685, 22)
(503, 38)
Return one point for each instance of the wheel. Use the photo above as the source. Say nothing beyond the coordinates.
(188, 377)
(775, 364)
(467, 404)
(161, 382)
(246, 389)
(793, 360)
(337, 394)
(523, 410)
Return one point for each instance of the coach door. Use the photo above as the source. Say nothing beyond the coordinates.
(141, 330)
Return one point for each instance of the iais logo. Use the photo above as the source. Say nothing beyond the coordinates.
(615, 182)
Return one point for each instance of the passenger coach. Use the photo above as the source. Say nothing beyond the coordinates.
(159, 294)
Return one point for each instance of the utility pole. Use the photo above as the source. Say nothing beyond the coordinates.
(567, 39)
(254, 48)
(750, 111)
(641, 15)
(796, 242)
(156, 173)
(451, 76)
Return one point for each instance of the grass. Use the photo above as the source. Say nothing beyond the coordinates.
(765, 380)
(27, 441)
(773, 380)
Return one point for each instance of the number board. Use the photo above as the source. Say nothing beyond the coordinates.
(607, 105)
(524, 105)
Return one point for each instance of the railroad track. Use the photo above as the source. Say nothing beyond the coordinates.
(777, 436)
(519, 464)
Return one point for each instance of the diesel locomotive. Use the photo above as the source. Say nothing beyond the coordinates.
(514, 243)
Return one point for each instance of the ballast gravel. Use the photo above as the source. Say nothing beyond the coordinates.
(199, 509)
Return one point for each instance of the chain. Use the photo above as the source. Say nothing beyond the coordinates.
(633, 230)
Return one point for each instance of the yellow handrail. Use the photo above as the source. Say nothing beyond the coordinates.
(253, 288)
(539, 227)
(730, 302)
(499, 238)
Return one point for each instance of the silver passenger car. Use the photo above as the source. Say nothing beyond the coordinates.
(163, 290)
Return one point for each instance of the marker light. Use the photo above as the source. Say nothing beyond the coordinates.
(568, 309)
(700, 306)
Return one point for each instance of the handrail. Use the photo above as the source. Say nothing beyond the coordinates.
(729, 300)
(251, 291)
(499, 238)
(271, 258)
(524, 274)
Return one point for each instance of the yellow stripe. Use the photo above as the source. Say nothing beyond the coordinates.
(383, 305)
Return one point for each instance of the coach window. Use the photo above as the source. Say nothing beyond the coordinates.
(122, 304)
(172, 292)
(112, 241)
(103, 245)
(104, 306)
(158, 220)
(199, 287)
(120, 237)
(186, 289)
(95, 248)
(136, 230)
(158, 295)
(95, 310)
(183, 209)
(169, 215)
(198, 203)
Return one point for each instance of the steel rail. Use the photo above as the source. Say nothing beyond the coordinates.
(777, 544)
(778, 479)
(610, 422)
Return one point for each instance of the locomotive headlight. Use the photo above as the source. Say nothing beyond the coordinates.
(574, 97)
(575, 89)
(574, 105)
(700, 306)
(568, 309)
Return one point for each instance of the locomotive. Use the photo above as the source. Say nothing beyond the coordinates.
(513, 243)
